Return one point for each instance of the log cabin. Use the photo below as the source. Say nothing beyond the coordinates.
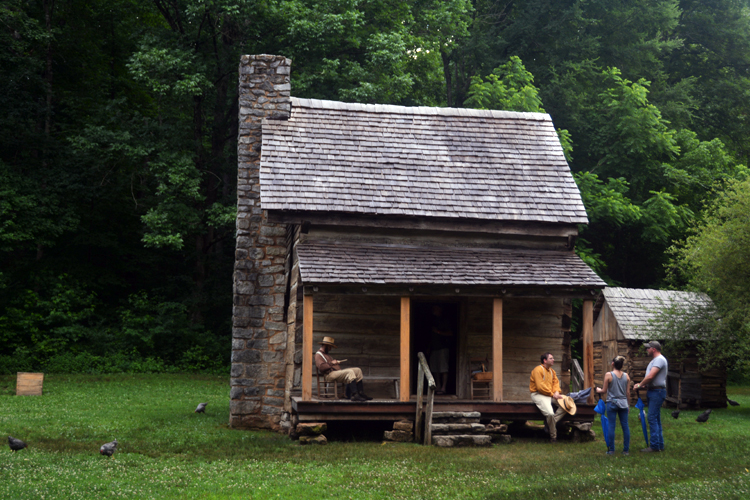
(355, 220)
(621, 327)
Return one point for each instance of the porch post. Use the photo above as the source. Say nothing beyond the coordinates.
(405, 383)
(497, 350)
(307, 347)
(588, 347)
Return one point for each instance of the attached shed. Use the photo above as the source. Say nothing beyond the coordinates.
(354, 220)
(621, 326)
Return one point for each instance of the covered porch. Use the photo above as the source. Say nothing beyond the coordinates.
(507, 306)
(377, 333)
(317, 410)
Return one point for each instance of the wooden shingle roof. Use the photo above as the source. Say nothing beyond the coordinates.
(352, 263)
(419, 161)
(633, 307)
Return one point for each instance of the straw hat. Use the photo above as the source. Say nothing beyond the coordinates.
(567, 404)
(327, 341)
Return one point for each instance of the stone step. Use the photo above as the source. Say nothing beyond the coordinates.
(456, 417)
(461, 440)
(444, 429)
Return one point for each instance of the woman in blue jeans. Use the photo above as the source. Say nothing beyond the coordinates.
(616, 385)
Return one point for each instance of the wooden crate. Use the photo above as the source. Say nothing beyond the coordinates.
(29, 384)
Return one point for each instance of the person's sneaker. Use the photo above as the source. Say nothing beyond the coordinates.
(626, 453)
(649, 450)
(610, 452)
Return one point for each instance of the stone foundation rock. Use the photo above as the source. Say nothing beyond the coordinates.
(398, 436)
(311, 428)
(461, 440)
(319, 439)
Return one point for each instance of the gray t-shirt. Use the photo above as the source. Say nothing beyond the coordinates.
(617, 392)
(660, 380)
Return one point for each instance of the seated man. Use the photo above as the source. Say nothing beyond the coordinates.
(545, 387)
(331, 370)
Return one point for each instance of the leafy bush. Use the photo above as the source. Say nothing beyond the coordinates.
(57, 327)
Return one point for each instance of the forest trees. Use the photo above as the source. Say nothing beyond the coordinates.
(118, 137)
(715, 259)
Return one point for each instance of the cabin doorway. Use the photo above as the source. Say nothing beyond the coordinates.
(422, 320)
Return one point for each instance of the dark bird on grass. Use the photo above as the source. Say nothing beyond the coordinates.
(16, 444)
(108, 449)
(732, 402)
(703, 417)
(201, 408)
(676, 414)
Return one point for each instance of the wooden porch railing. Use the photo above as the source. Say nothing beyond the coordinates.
(424, 373)
(576, 376)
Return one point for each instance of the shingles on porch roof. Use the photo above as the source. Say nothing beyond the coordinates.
(347, 263)
(634, 307)
(420, 161)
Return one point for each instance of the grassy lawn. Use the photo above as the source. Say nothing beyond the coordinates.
(167, 451)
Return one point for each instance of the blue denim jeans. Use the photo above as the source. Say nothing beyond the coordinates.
(655, 399)
(612, 414)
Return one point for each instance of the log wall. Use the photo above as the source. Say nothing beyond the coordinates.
(367, 334)
(695, 387)
(530, 328)
(367, 328)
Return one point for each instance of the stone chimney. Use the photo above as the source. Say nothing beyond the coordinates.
(259, 336)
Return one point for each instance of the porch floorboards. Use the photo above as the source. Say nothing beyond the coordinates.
(392, 409)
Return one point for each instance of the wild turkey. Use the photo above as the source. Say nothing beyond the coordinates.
(732, 402)
(676, 414)
(703, 417)
(16, 444)
(201, 408)
(108, 449)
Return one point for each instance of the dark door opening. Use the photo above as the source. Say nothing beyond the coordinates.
(422, 321)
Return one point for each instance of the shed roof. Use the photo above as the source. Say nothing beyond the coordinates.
(634, 307)
(418, 161)
(351, 263)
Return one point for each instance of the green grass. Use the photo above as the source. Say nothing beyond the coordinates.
(167, 451)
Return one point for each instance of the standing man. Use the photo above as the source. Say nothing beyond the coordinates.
(440, 342)
(545, 386)
(656, 379)
(331, 369)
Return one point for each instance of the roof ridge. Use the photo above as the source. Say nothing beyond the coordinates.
(417, 110)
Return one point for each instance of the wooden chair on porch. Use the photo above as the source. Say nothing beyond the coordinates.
(326, 390)
(481, 378)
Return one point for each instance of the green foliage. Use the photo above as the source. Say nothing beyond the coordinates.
(509, 87)
(715, 259)
(53, 319)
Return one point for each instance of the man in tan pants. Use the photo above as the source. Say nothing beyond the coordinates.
(545, 386)
(331, 370)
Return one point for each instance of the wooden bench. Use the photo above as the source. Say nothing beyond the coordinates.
(330, 389)
(395, 380)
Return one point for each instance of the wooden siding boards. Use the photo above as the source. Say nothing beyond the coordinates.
(352, 263)
(621, 328)
(633, 308)
(436, 162)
